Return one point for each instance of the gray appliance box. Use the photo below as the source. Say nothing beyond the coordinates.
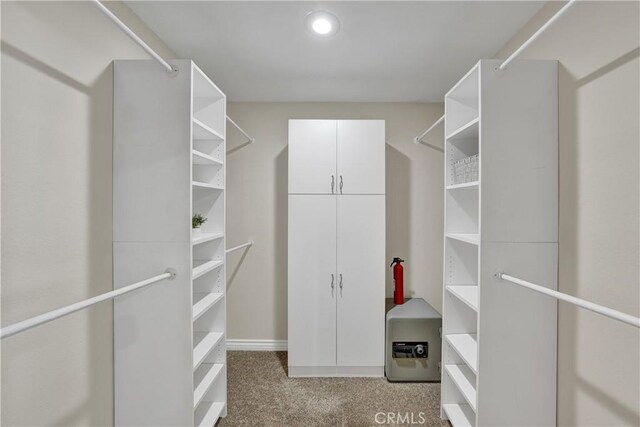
(413, 344)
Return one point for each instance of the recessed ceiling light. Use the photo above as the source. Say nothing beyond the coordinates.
(322, 23)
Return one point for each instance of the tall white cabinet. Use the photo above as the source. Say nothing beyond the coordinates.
(499, 341)
(336, 247)
(168, 164)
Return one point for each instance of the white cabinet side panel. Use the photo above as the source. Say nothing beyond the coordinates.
(361, 262)
(517, 337)
(151, 136)
(152, 336)
(519, 152)
(312, 156)
(312, 262)
(361, 156)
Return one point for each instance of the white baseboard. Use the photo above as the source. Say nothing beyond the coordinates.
(257, 345)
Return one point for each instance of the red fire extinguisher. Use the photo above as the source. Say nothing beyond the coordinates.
(398, 278)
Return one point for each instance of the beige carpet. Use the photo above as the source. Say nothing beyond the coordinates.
(261, 394)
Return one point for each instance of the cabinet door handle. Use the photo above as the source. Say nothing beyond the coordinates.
(332, 281)
(340, 184)
(333, 183)
(340, 280)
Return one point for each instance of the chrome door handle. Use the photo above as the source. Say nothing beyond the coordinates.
(333, 183)
(341, 281)
(340, 184)
(332, 281)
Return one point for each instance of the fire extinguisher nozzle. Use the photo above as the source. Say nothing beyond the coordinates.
(396, 260)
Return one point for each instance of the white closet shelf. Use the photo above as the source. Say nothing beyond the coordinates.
(473, 239)
(205, 237)
(204, 185)
(467, 87)
(473, 185)
(203, 87)
(205, 376)
(207, 341)
(204, 266)
(466, 345)
(468, 294)
(469, 130)
(464, 379)
(202, 132)
(202, 159)
(460, 414)
(207, 414)
(204, 303)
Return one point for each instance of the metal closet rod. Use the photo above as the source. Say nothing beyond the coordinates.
(513, 56)
(418, 139)
(587, 305)
(250, 139)
(16, 328)
(170, 69)
(244, 245)
(535, 35)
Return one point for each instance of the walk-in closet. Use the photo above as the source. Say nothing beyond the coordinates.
(319, 214)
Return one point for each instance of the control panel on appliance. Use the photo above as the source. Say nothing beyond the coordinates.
(410, 349)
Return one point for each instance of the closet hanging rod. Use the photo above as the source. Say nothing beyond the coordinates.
(418, 139)
(244, 245)
(128, 31)
(16, 328)
(535, 35)
(596, 308)
(250, 140)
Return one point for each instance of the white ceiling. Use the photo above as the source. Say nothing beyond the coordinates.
(392, 51)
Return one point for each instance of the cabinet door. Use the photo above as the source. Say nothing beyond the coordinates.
(361, 280)
(312, 156)
(312, 262)
(361, 159)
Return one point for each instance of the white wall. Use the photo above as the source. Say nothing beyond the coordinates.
(257, 206)
(56, 206)
(598, 358)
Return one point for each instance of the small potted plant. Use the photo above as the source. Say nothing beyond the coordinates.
(196, 223)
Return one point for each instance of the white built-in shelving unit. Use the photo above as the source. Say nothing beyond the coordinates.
(499, 342)
(169, 164)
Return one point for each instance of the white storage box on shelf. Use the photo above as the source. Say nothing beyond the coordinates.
(497, 337)
(169, 164)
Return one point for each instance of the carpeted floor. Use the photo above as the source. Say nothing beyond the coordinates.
(260, 394)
